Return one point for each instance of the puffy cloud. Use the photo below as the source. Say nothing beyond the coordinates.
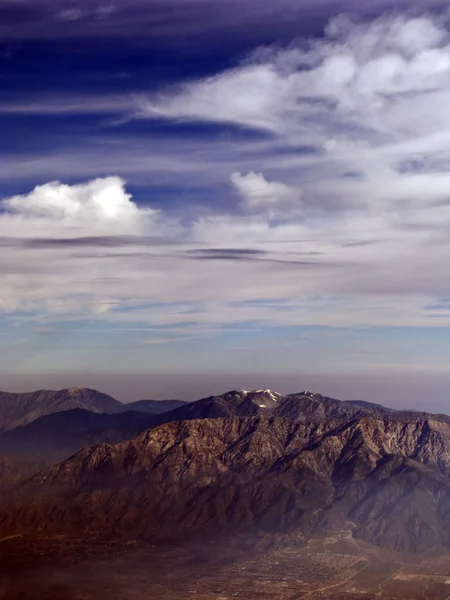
(261, 196)
(100, 206)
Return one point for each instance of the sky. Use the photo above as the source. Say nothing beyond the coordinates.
(200, 195)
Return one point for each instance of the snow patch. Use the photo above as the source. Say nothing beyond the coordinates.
(273, 395)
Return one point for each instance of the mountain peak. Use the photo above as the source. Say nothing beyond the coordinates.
(262, 398)
(253, 392)
(75, 390)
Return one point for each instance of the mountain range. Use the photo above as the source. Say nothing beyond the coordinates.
(20, 409)
(242, 461)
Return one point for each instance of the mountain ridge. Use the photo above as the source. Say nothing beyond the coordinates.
(207, 476)
(65, 427)
(17, 409)
(302, 406)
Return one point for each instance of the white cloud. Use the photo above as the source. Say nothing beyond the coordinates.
(261, 196)
(210, 273)
(358, 122)
(101, 206)
(243, 95)
(367, 98)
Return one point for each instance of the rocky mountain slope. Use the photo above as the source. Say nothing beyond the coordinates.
(389, 478)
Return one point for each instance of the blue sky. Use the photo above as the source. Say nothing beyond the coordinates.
(226, 191)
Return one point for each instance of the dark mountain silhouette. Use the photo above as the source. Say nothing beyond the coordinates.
(55, 437)
(20, 409)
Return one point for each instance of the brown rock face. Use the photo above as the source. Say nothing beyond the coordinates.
(390, 478)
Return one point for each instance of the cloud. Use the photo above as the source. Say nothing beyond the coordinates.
(244, 96)
(64, 104)
(69, 15)
(303, 275)
(261, 196)
(369, 101)
(370, 98)
(225, 20)
(100, 206)
(227, 254)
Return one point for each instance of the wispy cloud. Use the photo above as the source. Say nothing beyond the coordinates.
(302, 279)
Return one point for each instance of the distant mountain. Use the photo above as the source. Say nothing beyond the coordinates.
(63, 431)
(57, 436)
(408, 416)
(302, 407)
(387, 479)
(154, 407)
(20, 409)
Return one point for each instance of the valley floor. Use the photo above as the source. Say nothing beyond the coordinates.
(263, 568)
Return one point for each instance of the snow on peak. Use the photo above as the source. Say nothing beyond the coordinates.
(272, 395)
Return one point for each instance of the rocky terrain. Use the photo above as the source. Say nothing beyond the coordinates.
(208, 476)
(249, 461)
